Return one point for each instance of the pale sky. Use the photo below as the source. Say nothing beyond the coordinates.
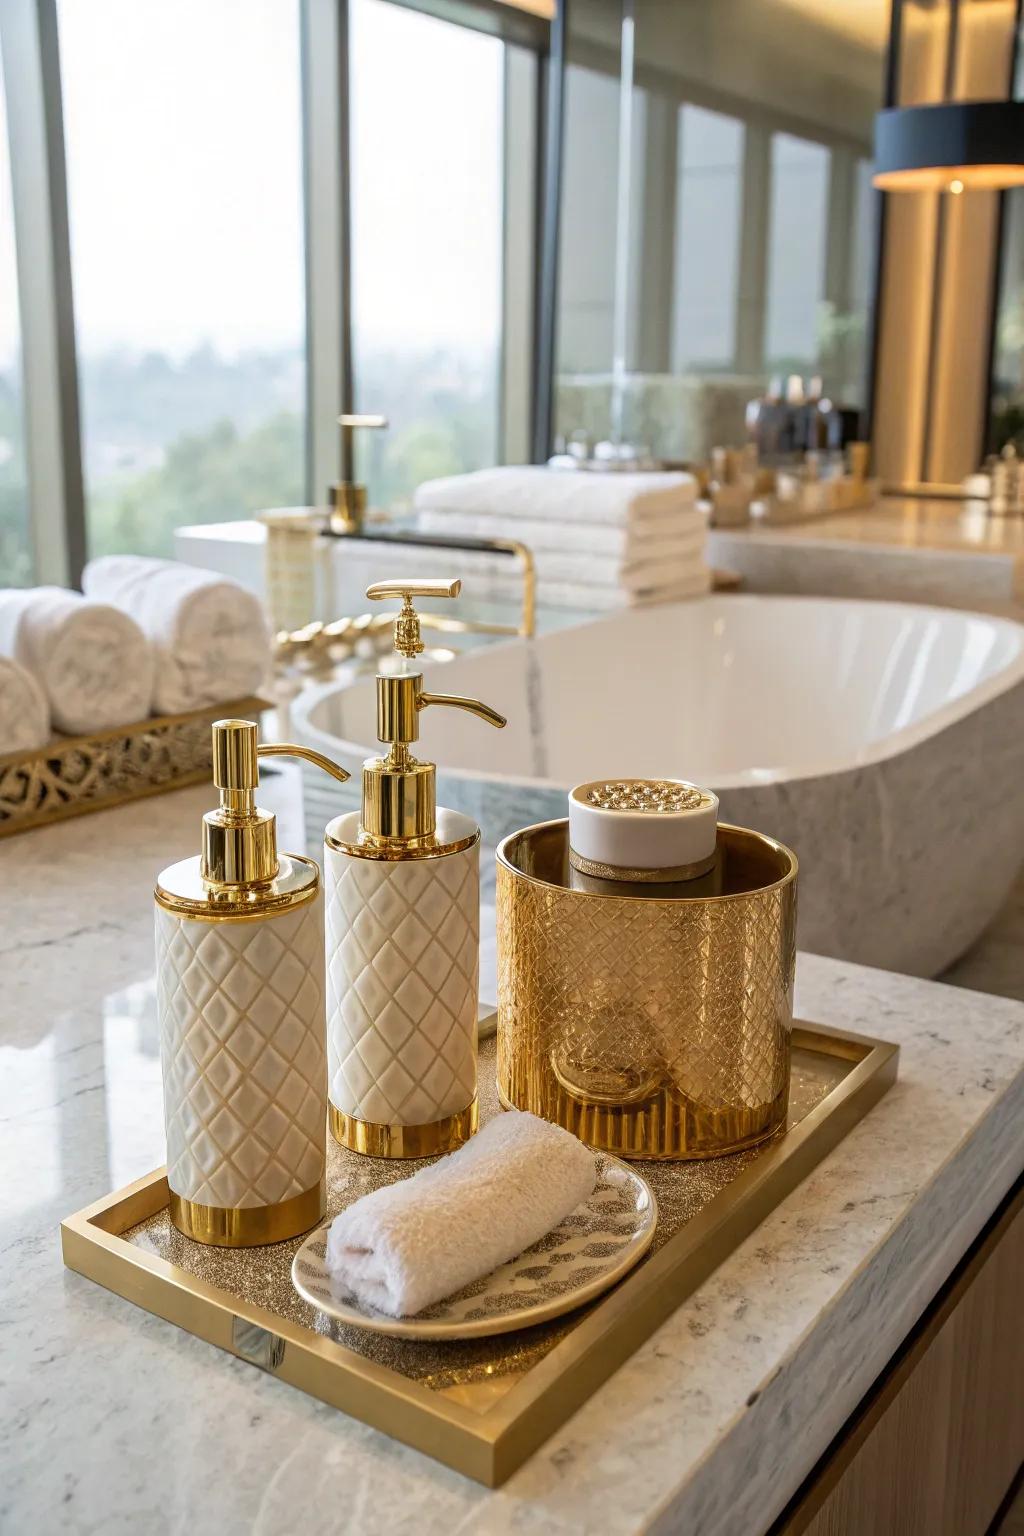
(183, 133)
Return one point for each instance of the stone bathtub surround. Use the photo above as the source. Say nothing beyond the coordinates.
(882, 742)
(113, 1420)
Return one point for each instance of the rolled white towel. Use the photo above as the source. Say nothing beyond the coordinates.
(409, 1244)
(24, 711)
(92, 661)
(533, 491)
(210, 636)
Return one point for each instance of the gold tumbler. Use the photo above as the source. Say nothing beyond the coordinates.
(651, 1026)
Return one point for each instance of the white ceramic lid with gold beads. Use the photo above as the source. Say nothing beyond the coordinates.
(658, 830)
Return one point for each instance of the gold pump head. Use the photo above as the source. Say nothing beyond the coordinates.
(399, 792)
(239, 838)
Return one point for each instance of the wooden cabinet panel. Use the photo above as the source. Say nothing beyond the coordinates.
(935, 1447)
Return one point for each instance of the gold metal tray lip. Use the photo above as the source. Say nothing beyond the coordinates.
(786, 854)
(488, 1445)
(60, 747)
(58, 744)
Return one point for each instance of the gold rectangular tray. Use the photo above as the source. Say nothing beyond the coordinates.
(75, 774)
(481, 1406)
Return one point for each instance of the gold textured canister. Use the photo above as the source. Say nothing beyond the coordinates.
(651, 1026)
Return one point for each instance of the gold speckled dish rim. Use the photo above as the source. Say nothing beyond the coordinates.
(496, 1321)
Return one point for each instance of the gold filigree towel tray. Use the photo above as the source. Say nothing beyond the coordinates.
(75, 774)
(481, 1406)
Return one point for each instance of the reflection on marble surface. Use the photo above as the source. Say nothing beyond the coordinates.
(911, 522)
(113, 1421)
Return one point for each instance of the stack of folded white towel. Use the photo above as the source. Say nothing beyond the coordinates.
(147, 636)
(598, 540)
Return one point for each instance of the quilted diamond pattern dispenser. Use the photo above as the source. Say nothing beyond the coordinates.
(243, 1027)
(402, 980)
(243, 1054)
(403, 920)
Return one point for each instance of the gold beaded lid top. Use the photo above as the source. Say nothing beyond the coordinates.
(642, 829)
(399, 814)
(665, 795)
(239, 867)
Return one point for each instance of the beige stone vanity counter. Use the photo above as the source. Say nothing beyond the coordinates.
(113, 1421)
(929, 550)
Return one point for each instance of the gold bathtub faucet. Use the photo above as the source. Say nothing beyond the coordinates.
(346, 519)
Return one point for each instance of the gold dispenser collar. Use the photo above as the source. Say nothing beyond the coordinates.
(239, 870)
(399, 793)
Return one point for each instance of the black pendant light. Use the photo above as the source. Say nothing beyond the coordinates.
(948, 146)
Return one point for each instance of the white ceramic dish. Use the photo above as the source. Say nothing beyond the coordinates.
(556, 1275)
(884, 742)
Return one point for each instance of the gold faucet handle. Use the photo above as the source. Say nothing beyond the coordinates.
(408, 641)
(411, 589)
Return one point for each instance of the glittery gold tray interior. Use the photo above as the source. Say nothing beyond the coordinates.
(481, 1406)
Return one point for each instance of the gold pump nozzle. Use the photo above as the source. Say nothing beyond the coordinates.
(398, 791)
(240, 839)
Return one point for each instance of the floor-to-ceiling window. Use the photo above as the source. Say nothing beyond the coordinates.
(15, 544)
(796, 254)
(426, 135)
(709, 211)
(736, 242)
(183, 140)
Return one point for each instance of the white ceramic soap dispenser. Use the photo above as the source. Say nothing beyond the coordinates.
(240, 1000)
(403, 916)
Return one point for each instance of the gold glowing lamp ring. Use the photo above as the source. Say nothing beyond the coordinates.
(399, 795)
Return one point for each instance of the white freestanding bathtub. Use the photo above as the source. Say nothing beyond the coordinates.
(884, 742)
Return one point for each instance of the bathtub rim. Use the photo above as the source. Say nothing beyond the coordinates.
(891, 746)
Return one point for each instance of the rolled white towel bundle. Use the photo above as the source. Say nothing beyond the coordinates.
(24, 710)
(409, 1244)
(91, 660)
(209, 635)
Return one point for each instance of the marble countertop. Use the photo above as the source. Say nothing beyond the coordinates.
(113, 1420)
(906, 522)
(950, 553)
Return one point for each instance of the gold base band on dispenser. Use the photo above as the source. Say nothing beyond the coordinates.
(667, 876)
(375, 1140)
(248, 1226)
